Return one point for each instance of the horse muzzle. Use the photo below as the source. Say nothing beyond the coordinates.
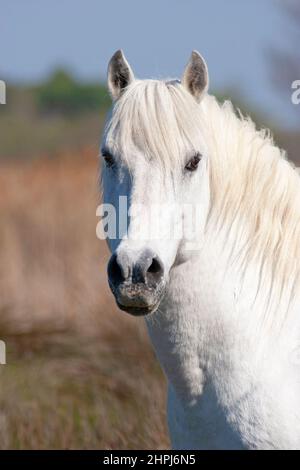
(138, 286)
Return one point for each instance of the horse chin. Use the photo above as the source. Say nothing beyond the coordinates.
(138, 311)
(138, 301)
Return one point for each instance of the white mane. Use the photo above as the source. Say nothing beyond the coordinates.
(255, 191)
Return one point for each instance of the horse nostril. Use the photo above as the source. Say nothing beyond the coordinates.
(115, 271)
(147, 270)
(155, 271)
(154, 267)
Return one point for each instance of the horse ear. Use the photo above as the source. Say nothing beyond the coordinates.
(195, 77)
(119, 74)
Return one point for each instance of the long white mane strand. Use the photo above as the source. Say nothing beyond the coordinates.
(254, 190)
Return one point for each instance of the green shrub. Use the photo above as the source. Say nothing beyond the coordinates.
(62, 94)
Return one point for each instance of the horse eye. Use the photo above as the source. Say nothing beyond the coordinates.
(108, 158)
(192, 165)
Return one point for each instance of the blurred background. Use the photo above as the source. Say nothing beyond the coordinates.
(79, 373)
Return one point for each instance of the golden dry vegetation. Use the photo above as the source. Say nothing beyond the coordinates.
(79, 373)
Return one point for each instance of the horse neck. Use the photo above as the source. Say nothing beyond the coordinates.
(218, 302)
(210, 316)
(202, 334)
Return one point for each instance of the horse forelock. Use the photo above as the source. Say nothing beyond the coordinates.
(158, 118)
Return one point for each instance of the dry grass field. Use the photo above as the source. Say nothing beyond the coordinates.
(79, 374)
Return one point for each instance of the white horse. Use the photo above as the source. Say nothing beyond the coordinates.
(225, 305)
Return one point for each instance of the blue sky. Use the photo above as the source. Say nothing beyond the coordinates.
(157, 37)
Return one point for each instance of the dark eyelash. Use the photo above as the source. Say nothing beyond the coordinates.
(192, 164)
(108, 157)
